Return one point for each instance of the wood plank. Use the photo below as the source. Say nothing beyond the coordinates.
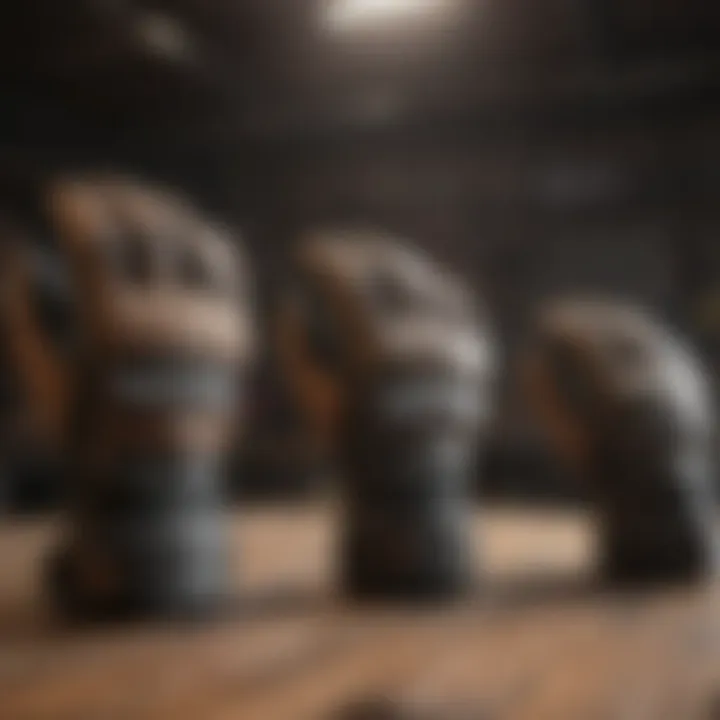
(538, 643)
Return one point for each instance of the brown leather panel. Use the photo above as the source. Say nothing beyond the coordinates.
(45, 378)
(565, 433)
(157, 319)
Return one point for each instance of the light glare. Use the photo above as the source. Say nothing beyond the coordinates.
(164, 36)
(350, 14)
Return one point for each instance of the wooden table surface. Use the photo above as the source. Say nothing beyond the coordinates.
(539, 643)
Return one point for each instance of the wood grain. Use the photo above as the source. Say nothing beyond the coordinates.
(541, 641)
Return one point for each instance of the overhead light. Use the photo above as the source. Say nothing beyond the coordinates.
(164, 35)
(352, 14)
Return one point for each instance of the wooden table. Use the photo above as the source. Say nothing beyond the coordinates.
(539, 644)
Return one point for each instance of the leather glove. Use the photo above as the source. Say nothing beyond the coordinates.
(394, 365)
(136, 381)
(626, 404)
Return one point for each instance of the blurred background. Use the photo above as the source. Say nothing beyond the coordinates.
(536, 147)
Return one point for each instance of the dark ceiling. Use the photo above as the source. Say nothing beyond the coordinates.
(226, 94)
(189, 71)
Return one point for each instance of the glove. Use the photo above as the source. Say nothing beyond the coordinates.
(626, 405)
(135, 381)
(393, 366)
